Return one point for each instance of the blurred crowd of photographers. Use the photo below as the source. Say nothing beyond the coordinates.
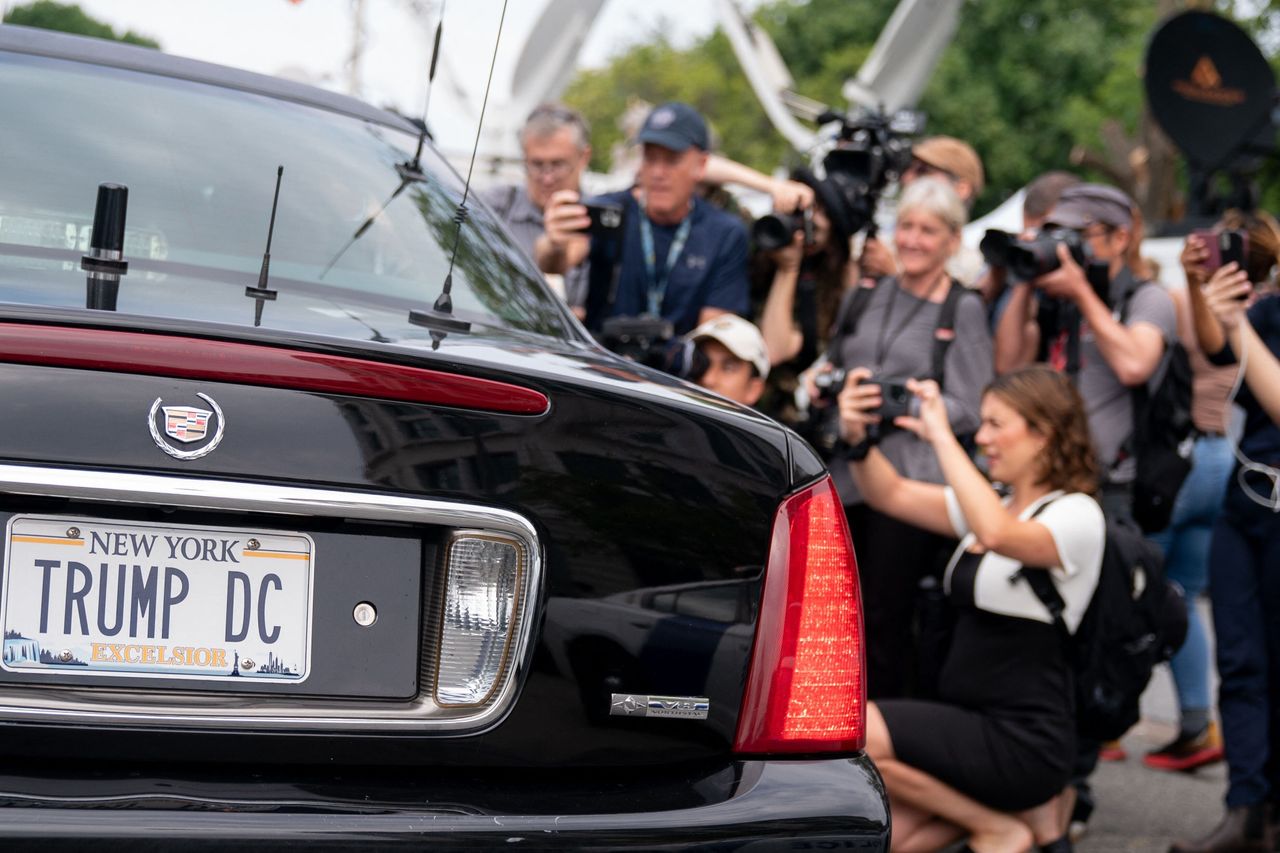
(818, 319)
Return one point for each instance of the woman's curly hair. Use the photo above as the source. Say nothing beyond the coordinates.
(1052, 406)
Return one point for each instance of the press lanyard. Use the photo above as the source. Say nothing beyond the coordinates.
(883, 346)
(657, 287)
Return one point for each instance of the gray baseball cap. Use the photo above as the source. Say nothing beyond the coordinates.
(1082, 205)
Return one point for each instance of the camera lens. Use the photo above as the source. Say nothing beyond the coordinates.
(774, 231)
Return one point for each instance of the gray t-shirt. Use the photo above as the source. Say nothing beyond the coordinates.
(524, 219)
(1107, 401)
(894, 338)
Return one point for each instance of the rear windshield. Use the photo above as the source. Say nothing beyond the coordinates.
(356, 247)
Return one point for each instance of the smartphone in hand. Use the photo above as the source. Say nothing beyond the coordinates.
(1224, 247)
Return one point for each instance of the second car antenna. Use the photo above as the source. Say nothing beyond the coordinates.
(261, 293)
(439, 318)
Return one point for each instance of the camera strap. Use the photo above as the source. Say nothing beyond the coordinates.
(656, 286)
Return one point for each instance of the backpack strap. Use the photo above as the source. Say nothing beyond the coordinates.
(852, 306)
(1045, 589)
(945, 332)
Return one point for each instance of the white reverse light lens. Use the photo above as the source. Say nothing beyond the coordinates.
(481, 594)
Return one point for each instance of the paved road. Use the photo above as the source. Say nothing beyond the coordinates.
(1141, 810)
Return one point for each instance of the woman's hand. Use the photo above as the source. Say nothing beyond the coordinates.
(791, 196)
(1194, 254)
(789, 256)
(858, 403)
(932, 423)
(1227, 295)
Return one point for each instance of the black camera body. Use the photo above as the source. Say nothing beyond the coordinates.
(830, 383)
(1029, 259)
(606, 219)
(645, 340)
(651, 341)
(896, 401)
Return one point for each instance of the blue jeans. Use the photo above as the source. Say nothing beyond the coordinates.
(1186, 552)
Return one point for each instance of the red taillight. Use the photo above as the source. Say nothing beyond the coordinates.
(254, 364)
(805, 692)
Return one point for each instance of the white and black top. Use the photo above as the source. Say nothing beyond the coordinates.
(1079, 530)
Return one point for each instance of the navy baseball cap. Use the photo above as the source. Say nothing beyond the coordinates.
(676, 126)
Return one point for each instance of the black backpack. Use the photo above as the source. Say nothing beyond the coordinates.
(1163, 433)
(1163, 436)
(1136, 619)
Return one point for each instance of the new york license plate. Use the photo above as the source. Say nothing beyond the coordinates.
(88, 597)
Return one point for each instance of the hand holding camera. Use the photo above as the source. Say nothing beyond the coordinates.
(563, 222)
(928, 416)
(859, 401)
(1065, 281)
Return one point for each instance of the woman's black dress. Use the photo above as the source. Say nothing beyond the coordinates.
(1003, 732)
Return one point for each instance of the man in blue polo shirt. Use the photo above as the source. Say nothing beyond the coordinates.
(678, 258)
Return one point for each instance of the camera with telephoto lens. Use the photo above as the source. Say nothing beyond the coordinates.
(774, 231)
(1029, 259)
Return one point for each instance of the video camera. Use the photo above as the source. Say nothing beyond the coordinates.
(871, 151)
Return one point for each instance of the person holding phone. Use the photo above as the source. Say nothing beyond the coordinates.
(1238, 314)
(991, 756)
(676, 257)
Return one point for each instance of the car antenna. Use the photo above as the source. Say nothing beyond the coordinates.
(105, 262)
(260, 293)
(439, 318)
(410, 171)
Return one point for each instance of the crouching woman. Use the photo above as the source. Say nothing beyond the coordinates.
(989, 759)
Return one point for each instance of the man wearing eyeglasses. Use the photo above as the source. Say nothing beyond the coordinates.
(555, 140)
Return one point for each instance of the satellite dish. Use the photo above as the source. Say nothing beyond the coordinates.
(1209, 87)
(551, 51)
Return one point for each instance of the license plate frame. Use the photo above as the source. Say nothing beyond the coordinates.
(55, 618)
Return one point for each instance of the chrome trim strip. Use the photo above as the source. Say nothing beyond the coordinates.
(110, 706)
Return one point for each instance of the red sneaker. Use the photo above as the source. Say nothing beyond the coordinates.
(1187, 753)
(1112, 751)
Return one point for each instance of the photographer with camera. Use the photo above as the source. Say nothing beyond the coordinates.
(729, 358)
(1107, 328)
(671, 260)
(803, 259)
(556, 143)
(917, 325)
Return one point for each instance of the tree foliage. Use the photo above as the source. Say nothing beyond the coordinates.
(48, 15)
(1026, 82)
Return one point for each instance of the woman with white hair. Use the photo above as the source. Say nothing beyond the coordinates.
(918, 324)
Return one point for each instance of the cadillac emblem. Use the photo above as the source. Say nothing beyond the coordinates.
(186, 425)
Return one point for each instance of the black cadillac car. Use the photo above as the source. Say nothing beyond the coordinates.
(371, 546)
